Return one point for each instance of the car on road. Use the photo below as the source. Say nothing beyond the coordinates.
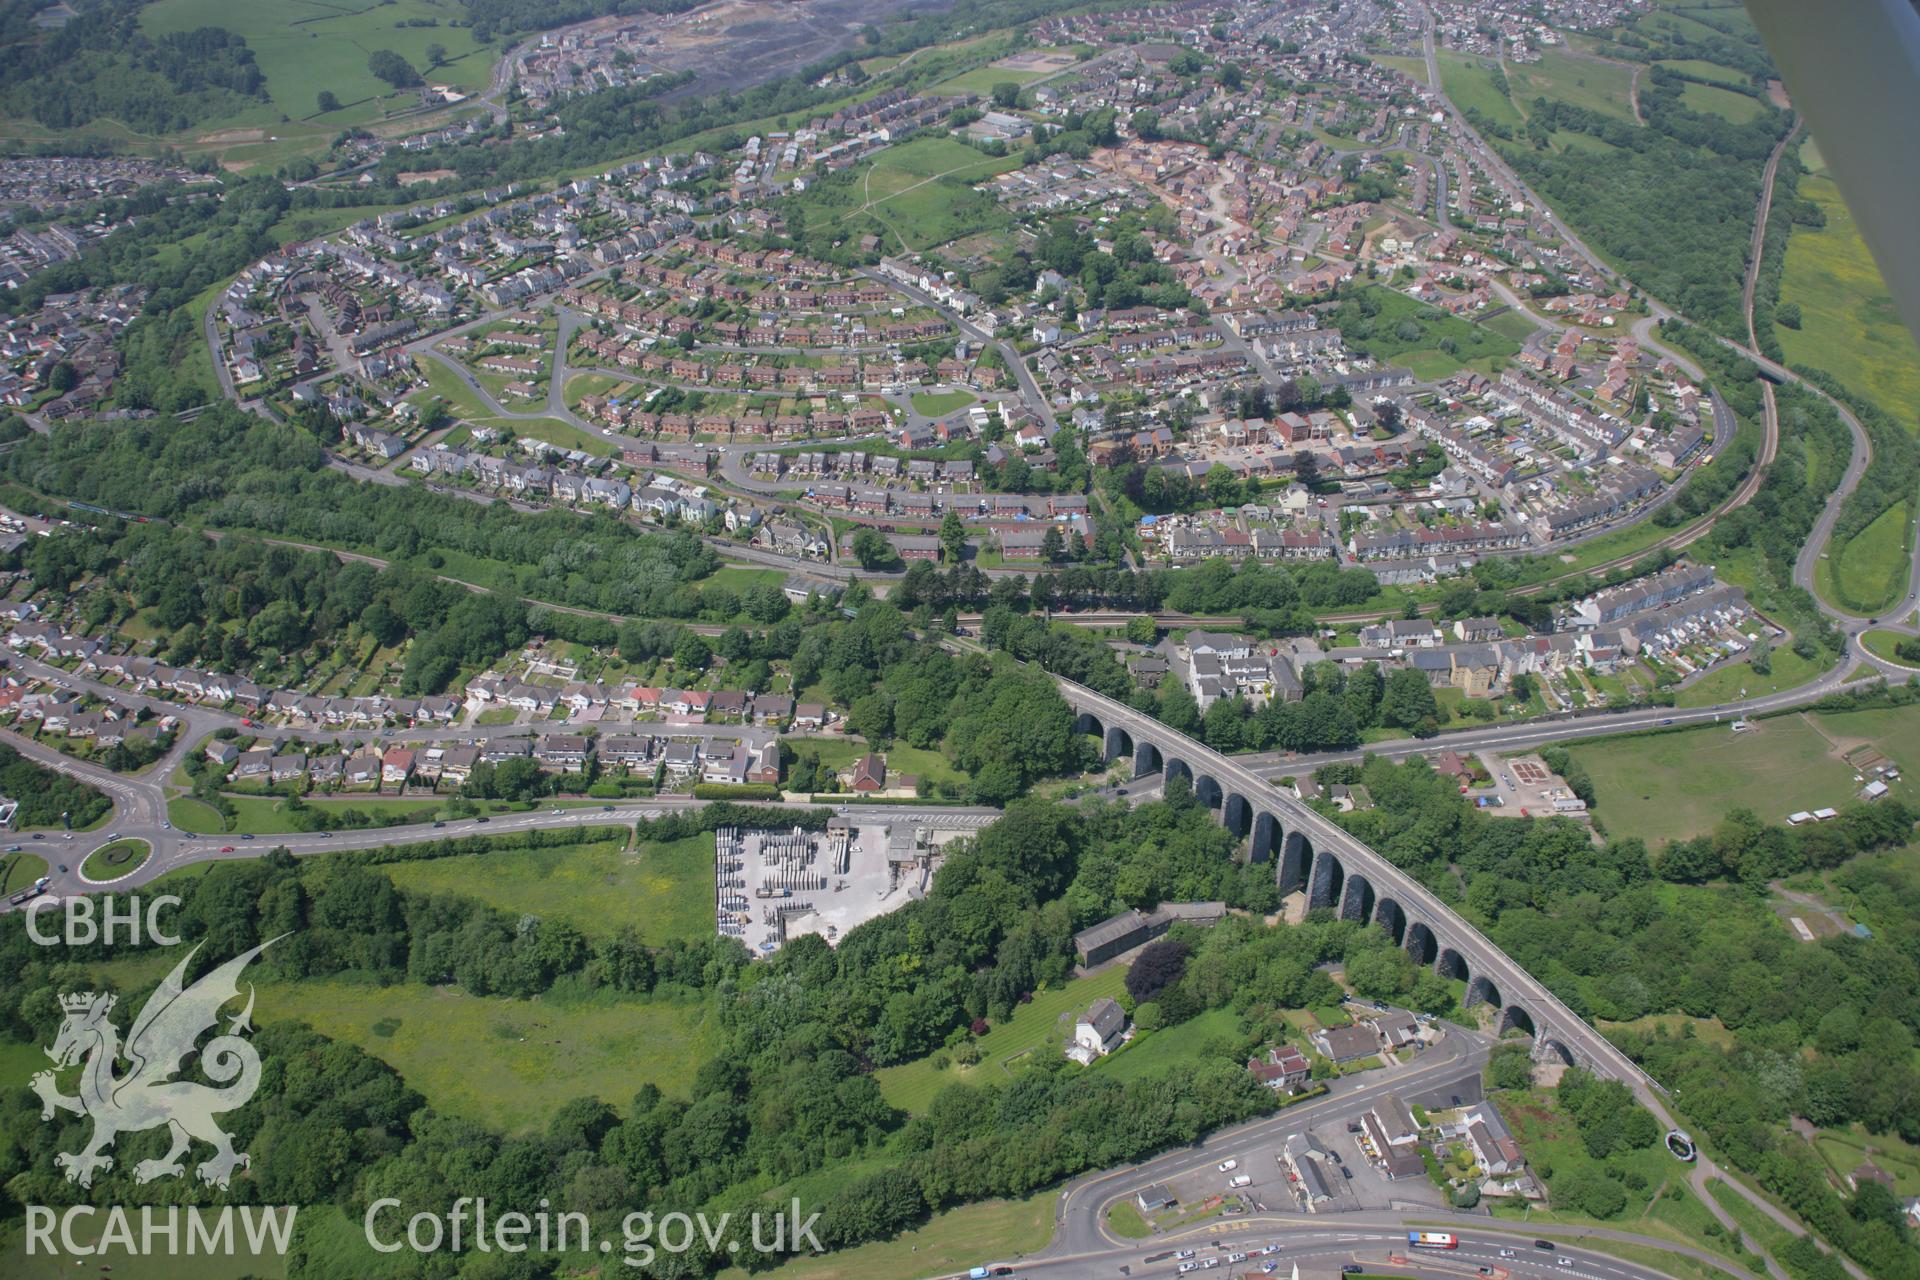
(63, 868)
(1240, 1180)
(438, 825)
(1508, 1253)
(166, 826)
(1668, 720)
(226, 848)
(1350, 1270)
(483, 818)
(247, 836)
(14, 848)
(1543, 1244)
(556, 813)
(1183, 1253)
(112, 836)
(39, 835)
(1228, 1166)
(1563, 1261)
(606, 808)
(326, 835)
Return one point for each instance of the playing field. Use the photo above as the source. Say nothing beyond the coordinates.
(509, 1064)
(663, 890)
(1676, 785)
(1849, 325)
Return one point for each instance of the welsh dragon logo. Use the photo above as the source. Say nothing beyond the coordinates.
(162, 1038)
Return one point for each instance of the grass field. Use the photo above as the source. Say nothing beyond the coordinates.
(742, 578)
(303, 47)
(663, 890)
(1039, 1026)
(1414, 68)
(444, 383)
(1468, 80)
(18, 870)
(954, 1241)
(116, 861)
(1725, 103)
(158, 1265)
(263, 816)
(562, 435)
(1868, 572)
(1605, 87)
(1513, 324)
(937, 404)
(1880, 643)
(507, 1063)
(1849, 325)
(919, 192)
(1676, 785)
(1703, 70)
(981, 80)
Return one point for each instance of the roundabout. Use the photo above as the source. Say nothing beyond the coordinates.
(114, 861)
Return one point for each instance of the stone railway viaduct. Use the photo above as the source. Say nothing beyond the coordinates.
(1338, 872)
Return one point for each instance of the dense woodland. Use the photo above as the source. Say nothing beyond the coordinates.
(45, 795)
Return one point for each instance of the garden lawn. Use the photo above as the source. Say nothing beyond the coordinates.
(1153, 1052)
(1788, 670)
(663, 890)
(1039, 1026)
(509, 1064)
